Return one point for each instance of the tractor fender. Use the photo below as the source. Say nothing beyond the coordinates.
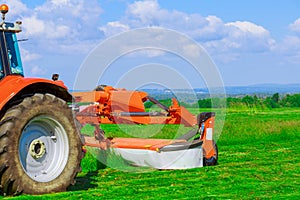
(15, 88)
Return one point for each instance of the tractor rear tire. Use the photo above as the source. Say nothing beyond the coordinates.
(40, 147)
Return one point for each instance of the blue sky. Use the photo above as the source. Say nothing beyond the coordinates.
(251, 42)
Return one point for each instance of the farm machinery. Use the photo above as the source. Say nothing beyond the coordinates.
(41, 146)
(108, 105)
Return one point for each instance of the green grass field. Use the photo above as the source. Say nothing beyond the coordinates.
(259, 158)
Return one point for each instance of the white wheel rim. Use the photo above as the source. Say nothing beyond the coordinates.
(43, 149)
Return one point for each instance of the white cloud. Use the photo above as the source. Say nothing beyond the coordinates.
(295, 26)
(248, 27)
(38, 71)
(56, 24)
(145, 10)
(113, 28)
(28, 56)
(248, 37)
(291, 43)
(215, 35)
(192, 50)
(60, 2)
(289, 47)
(33, 26)
(62, 31)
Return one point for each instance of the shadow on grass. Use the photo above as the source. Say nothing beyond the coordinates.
(88, 181)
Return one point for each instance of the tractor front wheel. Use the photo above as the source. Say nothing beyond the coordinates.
(40, 147)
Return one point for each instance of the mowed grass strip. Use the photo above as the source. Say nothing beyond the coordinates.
(259, 158)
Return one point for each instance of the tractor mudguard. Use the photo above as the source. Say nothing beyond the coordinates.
(18, 86)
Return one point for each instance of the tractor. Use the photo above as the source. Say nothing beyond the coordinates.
(41, 144)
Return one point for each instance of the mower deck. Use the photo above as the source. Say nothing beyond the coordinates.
(155, 153)
(143, 143)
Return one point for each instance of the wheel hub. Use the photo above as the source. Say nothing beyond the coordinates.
(44, 148)
(37, 149)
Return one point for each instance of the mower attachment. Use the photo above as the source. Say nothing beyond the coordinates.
(108, 105)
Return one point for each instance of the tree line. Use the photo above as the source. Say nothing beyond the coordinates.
(248, 101)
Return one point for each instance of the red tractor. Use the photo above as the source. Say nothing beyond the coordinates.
(40, 145)
(40, 140)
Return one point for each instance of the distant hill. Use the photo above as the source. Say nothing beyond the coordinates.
(259, 89)
(264, 89)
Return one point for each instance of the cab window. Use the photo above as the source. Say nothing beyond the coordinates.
(13, 54)
(1, 69)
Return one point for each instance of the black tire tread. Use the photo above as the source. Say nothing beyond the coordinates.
(10, 177)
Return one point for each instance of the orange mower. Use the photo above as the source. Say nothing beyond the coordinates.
(108, 105)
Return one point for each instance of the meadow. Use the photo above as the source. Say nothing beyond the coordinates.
(259, 158)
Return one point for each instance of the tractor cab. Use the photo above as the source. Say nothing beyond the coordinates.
(10, 59)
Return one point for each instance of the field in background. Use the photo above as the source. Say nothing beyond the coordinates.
(259, 157)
